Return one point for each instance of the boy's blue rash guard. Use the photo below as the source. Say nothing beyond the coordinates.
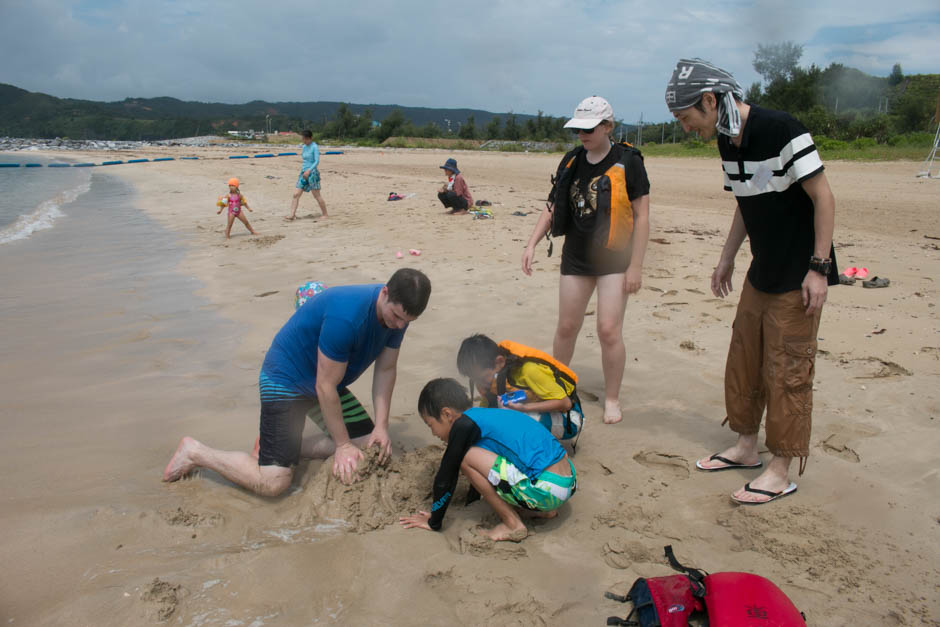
(527, 444)
(311, 156)
(343, 323)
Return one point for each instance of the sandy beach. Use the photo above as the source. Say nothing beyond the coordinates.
(92, 536)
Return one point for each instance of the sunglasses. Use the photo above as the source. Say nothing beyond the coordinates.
(586, 131)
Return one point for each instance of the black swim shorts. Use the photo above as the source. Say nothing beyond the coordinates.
(282, 426)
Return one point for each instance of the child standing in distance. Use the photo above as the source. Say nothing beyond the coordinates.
(234, 201)
(548, 387)
(309, 179)
(454, 193)
(514, 463)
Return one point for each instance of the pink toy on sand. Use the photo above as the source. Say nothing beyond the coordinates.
(398, 255)
(415, 252)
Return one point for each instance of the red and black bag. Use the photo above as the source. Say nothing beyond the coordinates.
(729, 599)
(748, 600)
(663, 601)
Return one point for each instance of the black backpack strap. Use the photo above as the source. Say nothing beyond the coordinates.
(696, 576)
(616, 620)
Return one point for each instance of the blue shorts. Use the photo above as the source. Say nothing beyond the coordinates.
(310, 183)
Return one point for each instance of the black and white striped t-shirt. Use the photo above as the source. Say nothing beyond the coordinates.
(765, 174)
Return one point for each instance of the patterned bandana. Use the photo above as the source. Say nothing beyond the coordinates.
(692, 78)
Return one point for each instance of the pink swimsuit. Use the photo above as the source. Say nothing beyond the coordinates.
(234, 204)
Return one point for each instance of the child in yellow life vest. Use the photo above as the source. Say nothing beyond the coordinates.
(501, 371)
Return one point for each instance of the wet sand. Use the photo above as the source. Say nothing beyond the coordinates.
(91, 535)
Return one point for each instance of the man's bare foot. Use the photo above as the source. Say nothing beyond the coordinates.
(612, 412)
(324, 216)
(771, 485)
(735, 454)
(502, 533)
(289, 218)
(181, 463)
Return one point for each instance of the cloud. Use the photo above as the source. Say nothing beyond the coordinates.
(524, 56)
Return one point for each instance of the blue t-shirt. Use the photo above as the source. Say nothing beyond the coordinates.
(311, 156)
(525, 442)
(340, 321)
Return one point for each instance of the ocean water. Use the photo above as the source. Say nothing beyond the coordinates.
(31, 199)
(102, 332)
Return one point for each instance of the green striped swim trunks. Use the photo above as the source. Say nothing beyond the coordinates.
(355, 416)
(548, 492)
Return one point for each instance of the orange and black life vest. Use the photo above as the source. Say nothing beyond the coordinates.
(517, 355)
(614, 227)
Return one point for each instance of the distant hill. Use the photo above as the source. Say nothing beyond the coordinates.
(31, 114)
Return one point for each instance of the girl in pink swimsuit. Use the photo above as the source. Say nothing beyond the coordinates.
(234, 201)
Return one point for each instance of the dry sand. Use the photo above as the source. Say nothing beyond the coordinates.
(858, 544)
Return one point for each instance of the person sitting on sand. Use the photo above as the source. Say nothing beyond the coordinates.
(516, 465)
(548, 387)
(325, 346)
(234, 200)
(309, 179)
(454, 194)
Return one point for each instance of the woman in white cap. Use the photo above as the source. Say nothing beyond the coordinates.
(600, 203)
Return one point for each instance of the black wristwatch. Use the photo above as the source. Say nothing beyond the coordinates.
(820, 265)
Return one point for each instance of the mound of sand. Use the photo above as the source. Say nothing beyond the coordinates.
(383, 493)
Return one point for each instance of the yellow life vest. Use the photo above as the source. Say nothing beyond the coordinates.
(519, 353)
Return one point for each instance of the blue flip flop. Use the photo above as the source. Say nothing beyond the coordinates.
(790, 489)
(729, 464)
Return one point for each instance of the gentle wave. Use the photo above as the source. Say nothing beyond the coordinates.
(44, 216)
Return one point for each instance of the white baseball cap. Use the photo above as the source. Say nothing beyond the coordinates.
(591, 112)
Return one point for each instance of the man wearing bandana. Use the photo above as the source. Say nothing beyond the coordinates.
(786, 209)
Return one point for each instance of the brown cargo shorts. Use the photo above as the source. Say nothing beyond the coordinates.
(771, 363)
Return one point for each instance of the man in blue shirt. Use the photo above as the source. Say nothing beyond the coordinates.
(325, 346)
(309, 179)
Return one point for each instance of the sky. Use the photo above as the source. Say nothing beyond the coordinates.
(500, 55)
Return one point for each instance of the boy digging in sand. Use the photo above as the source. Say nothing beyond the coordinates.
(513, 462)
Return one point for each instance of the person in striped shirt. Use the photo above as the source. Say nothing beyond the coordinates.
(786, 209)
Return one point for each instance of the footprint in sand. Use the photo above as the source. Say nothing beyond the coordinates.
(468, 543)
(186, 518)
(622, 554)
(674, 465)
(588, 396)
(841, 441)
(882, 369)
(266, 240)
(165, 595)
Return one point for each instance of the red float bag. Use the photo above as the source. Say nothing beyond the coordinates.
(746, 600)
(663, 601)
(730, 600)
